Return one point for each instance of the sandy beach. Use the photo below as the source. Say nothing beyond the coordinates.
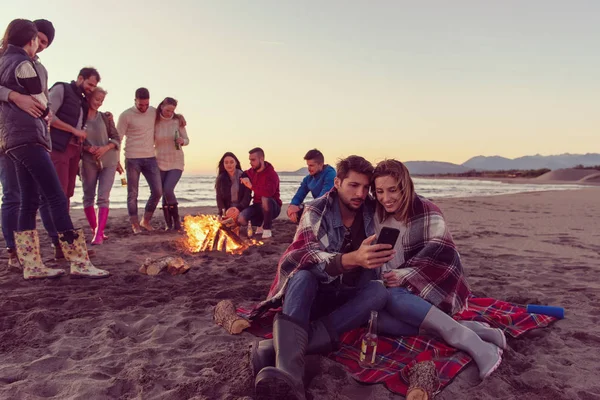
(136, 336)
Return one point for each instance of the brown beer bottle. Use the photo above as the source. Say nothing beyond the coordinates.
(368, 348)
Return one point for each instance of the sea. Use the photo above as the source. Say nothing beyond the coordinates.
(199, 190)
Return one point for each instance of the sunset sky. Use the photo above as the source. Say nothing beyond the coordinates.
(429, 80)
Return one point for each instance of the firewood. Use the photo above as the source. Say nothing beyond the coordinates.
(423, 381)
(226, 317)
(174, 265)
(155, 268)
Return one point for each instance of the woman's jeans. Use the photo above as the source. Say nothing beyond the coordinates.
(104, 180)
(36, 175)
(403, 313)
(345, 307)
(10, 199)
(169, 180)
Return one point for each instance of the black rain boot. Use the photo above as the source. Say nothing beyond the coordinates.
(174, 211)
(285, 380)
(168, 220)
(322, 340)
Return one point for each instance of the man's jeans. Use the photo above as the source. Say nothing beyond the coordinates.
(92, 178)
(346, 307)
(36, 175)
(403, 313)
(169, 180)
(149, 168)
(263, 213)
(10, 199)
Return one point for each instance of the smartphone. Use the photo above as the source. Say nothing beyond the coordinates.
(388, 236)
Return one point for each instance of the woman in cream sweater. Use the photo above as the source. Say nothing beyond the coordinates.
(169, 138)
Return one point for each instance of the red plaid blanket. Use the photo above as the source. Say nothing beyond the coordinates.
(395, 356)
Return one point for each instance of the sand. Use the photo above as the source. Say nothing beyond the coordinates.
(567, 175)
(135, 336)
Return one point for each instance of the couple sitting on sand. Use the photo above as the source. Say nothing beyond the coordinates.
(333, 275)
(235, 188)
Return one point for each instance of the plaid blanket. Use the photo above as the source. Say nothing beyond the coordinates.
(395, 356)
(432, 269)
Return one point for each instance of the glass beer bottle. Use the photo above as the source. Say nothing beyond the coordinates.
(368, 348)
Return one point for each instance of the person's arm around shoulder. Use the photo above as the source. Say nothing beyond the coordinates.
(113, 133)
(123, 123)
(183, 136)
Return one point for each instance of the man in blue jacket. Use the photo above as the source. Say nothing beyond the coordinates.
(318, 182)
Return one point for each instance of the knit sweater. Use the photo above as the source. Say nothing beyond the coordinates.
(138, 130)
(167, 155)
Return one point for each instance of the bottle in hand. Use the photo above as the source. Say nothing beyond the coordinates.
(368, 349)
(250, 231)
(177, 145)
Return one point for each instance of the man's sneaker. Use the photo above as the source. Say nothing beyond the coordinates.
(267, 234)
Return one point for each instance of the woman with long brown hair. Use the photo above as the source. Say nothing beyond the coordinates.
(169, 137)
(425, 279)
(232, 196)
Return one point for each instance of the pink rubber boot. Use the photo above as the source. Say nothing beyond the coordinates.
(102, 218)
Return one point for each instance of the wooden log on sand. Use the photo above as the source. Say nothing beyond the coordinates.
(423, 382)
(174, 265)
(226, 317)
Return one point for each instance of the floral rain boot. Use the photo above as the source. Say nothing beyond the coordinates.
(28, 254)
(75, 250)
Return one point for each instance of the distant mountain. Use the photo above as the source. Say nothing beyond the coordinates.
(537, 161)
(301, 172)
(493, 163)
(434, 167)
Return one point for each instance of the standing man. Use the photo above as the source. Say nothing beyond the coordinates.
(8, 175)
(318, 182)
(136, 124)
(262, 179)
(69, 106)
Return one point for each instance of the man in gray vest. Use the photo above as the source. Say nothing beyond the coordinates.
(69, 106)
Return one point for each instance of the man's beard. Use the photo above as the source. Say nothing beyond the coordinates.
(351, 207)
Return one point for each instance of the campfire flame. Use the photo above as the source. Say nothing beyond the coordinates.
(208, 233)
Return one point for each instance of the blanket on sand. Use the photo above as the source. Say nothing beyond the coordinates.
(395, 356)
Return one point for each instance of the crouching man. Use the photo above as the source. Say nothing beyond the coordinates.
(324, 282)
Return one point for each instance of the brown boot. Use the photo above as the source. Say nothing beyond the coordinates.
(146, 221)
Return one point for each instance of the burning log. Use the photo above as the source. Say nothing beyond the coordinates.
(208, 233)
(226, 317)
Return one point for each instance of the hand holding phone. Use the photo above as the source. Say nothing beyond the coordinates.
(388, 235)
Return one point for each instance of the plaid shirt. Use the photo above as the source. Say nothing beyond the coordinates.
(318, 240)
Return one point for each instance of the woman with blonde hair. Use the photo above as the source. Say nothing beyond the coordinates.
(169, 137)
(99, 164)
(425, 280)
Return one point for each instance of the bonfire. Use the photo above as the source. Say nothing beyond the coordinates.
(210, 233)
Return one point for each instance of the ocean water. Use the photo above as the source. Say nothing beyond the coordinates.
(198, 190)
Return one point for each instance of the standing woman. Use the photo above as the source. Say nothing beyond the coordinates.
(232, 196)
(169, 137)
(98, 163)
(26, 140)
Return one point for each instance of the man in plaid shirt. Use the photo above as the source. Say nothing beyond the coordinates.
(325, 276)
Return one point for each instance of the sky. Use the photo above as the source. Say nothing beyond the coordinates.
(428, 80)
